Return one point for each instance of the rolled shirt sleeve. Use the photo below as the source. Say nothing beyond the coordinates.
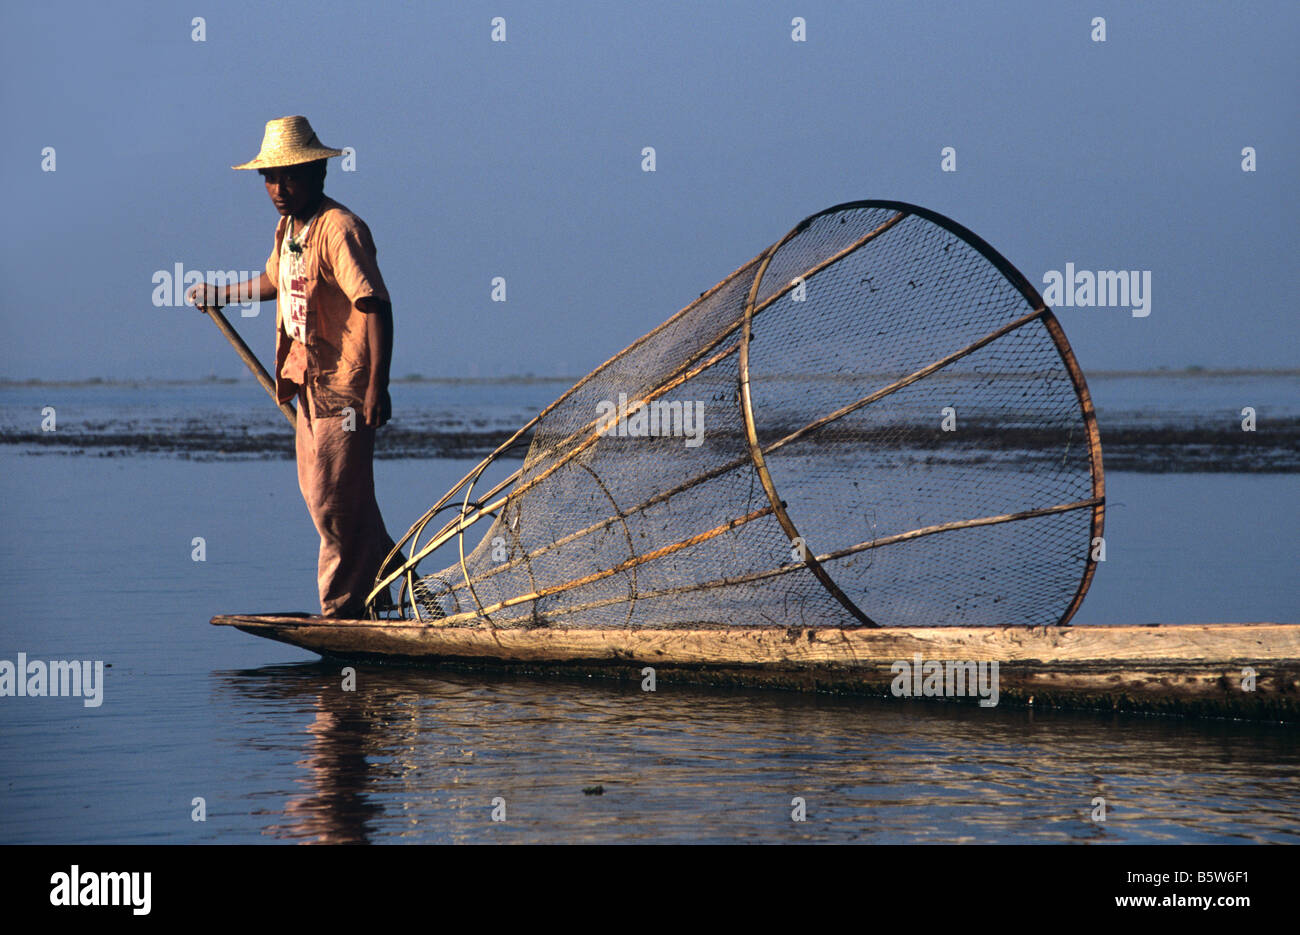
(351, 256)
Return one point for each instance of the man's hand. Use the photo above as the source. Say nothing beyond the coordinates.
(377, 408)
(202, 296)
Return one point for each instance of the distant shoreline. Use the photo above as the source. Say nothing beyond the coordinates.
(1153, 449)
(532, 379)
(7, 383)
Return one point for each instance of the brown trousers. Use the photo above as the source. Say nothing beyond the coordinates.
(337, 480)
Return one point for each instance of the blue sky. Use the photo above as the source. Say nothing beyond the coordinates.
(522, 159)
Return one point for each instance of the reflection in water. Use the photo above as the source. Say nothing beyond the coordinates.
(335, 809)
(419, 755)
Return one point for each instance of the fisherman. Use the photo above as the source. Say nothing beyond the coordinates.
(333, 347)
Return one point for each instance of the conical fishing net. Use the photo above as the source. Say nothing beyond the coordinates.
(875, 421)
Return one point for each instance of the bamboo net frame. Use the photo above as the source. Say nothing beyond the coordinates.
(600, 527)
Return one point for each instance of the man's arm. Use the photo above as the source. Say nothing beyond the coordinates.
(261, 289)
(379, 337)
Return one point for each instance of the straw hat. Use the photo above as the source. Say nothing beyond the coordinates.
(289, 141)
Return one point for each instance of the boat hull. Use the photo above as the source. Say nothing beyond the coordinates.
(1249, 670)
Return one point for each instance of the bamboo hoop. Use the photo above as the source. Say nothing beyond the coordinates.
(589, 433)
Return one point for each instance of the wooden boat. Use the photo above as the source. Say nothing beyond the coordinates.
(1241, 670)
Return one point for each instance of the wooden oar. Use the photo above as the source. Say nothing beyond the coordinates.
(249, 358)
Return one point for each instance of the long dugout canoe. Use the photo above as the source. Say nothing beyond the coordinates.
(1241, 670)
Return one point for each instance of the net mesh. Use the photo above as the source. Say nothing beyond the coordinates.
(919, 418)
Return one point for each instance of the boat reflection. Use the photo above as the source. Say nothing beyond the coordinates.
(420, 755)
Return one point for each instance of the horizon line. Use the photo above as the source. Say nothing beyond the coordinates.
(529, 378)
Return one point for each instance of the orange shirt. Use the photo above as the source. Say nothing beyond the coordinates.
(339, 267)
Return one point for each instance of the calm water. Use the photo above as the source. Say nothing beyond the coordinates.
(95, 563)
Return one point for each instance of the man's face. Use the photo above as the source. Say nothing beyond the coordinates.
(291, 188)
